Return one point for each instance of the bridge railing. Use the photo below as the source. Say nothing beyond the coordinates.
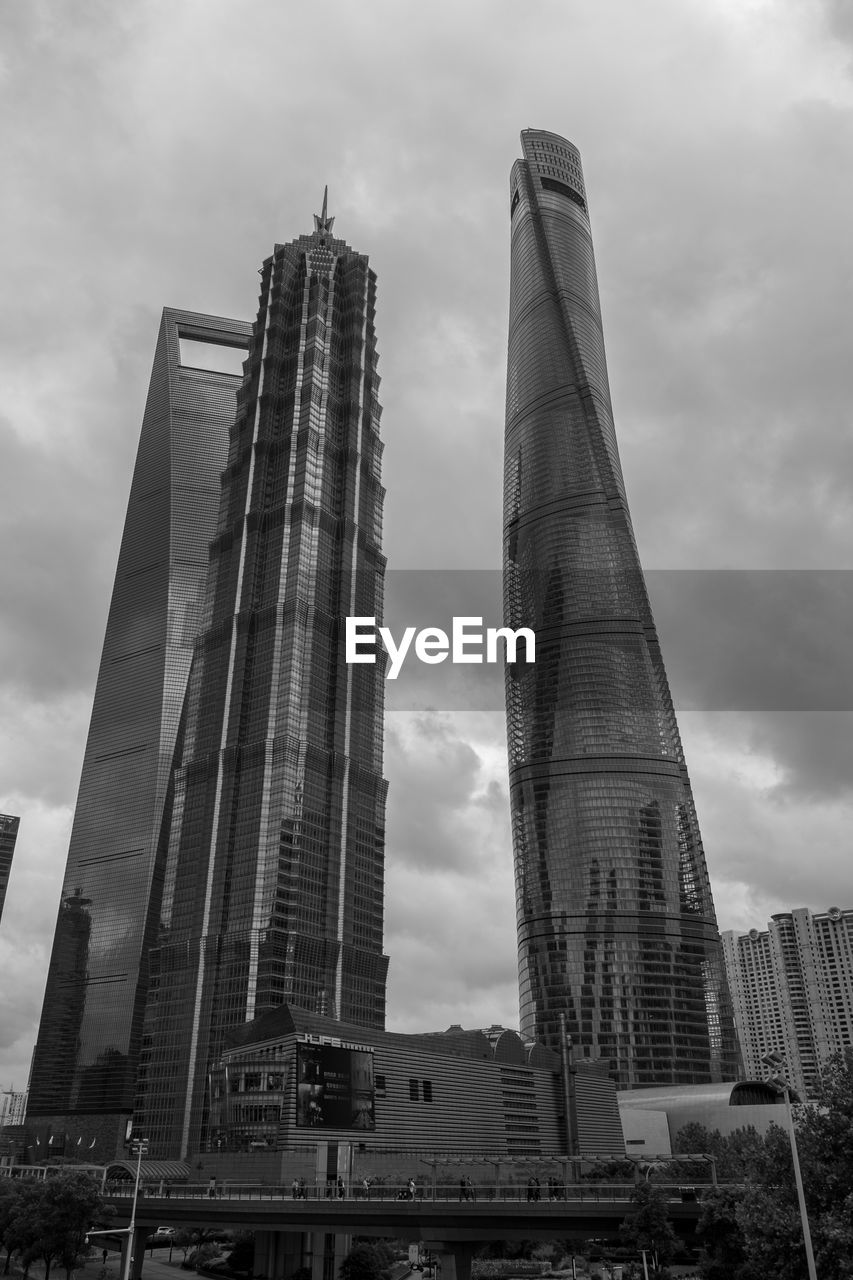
(424, 1192)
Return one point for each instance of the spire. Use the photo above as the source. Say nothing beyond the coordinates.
(323, 223)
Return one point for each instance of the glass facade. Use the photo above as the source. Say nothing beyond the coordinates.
(8, 836)
(616, 926)
(87, 1051)
(274, 875)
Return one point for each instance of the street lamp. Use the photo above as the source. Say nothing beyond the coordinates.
(139, 1148)
(776, 1062)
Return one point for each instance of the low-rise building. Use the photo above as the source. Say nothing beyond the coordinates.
(651, 1118)
(363, 1101)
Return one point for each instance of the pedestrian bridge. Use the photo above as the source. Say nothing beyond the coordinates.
(450, 1227)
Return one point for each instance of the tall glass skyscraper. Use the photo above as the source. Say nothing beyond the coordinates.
(84, 1068)
(275, 868)
(8, 835)
(616, 926)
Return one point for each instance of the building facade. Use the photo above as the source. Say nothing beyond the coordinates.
(792, 987)
(274, 874)
(13, 1107)
(616, 925)
(86, 1056)
(652, 1119)
(292, 1084)
(8, 835)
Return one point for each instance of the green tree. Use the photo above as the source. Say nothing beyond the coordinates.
(649, 1227)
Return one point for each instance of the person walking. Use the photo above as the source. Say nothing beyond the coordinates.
(211, 1189)
(294, 1188)
(341, 1188)
(411, 1188)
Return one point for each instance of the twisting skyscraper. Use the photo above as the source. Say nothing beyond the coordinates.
(616, 926)
(274, 874)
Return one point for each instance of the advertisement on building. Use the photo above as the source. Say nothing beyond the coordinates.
(334, 1087)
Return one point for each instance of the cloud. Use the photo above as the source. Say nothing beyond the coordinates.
(158, 153)
(450, 919)
(26, 930)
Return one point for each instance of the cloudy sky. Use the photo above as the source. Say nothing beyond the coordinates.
(151, 155)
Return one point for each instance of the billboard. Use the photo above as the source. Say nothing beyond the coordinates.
(334, 1087)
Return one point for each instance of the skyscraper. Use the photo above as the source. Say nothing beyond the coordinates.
(792, 988)
(274, 874)
(616, 926)
(86, 1055)
(8, 836)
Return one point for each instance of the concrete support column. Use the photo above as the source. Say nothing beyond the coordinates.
(279, 1253)
(328, 1252)
(454, 1258)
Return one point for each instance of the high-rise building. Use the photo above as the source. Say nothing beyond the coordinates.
(275, 868)
(8, 835)
(84, 1067)
(616, 926)
(792, 988)
(13, 1107)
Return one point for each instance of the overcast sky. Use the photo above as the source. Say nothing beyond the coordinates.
(153, 152)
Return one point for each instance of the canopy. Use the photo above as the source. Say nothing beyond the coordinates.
(150, 1170)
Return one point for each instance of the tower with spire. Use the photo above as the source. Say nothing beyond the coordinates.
(273, 877)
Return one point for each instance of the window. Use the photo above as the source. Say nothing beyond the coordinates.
(550, 184)
(413, 1090)
(427, 1088)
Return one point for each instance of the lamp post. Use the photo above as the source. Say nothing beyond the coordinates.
(776, 1062)
(140, 1145)
(139, 1148)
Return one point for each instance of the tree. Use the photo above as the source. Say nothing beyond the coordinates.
(183, 1239)
(8, 1200)
(719, 1234)
(825, 1144)
(69, 1205)
(21, 1235)
(735, 1154)
(649, 1227)
(242, 1256)
(363, 1262)
(49, 1220)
